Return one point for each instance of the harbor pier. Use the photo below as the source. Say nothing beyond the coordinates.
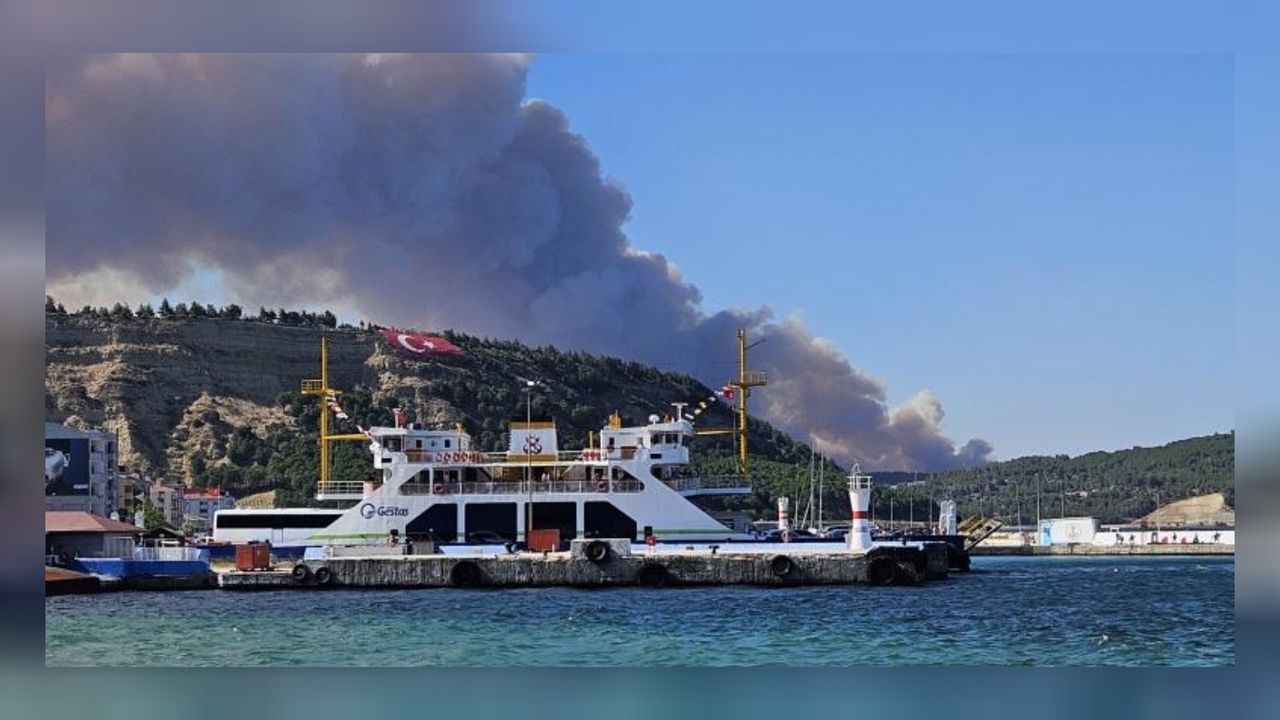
(880, 566)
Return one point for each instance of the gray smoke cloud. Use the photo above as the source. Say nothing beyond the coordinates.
(421, 190)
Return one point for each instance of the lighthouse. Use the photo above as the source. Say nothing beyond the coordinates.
(859, 501)
(784, 521)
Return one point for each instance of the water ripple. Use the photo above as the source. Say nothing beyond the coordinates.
(1009, 611)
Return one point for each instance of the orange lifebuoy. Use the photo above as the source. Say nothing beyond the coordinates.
(438, 489)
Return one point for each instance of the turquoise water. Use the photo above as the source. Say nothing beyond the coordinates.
(1009, 611)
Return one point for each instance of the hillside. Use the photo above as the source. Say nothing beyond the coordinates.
(214, 400)
(1113, 486)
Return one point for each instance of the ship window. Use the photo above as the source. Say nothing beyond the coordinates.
(605, 520)
(446, 443)
(562, 516)
(499, 518)
(417, 444)
(438, 523)
(226, 521)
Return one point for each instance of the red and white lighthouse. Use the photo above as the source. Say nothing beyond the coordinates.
(860, 502)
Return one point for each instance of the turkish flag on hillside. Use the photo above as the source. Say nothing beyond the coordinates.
(413, 343)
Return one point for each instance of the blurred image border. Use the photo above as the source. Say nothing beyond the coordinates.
(34, 32)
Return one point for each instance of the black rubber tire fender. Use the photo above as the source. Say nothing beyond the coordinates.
(782, 566)
(905, 573)
(301, 572)
(882, 571)
(597, 551)
(921, 560)
(464, 573)
(324, 575)
(653, 574)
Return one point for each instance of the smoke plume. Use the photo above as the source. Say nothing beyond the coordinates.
(421, 190)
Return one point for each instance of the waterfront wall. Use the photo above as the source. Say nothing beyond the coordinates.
(892, 566)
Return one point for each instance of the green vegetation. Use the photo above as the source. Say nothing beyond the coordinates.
(198, 311)
(1112, 486)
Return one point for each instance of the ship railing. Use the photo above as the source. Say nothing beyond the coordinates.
(520, 487)
(710, 483)
(340, 487)
(471, 457)
(155, 554)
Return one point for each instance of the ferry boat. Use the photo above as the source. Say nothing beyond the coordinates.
(435, 486)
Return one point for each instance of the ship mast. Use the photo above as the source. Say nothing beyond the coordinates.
(746, 380)
(321, 390)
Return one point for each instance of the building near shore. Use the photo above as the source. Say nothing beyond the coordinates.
(80, 470)
(169, 500)
(1088, 531)
(132, 490)
(72, 534)
(200, 507)
(1067, 531)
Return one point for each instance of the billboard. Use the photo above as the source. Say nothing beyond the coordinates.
(66, 466)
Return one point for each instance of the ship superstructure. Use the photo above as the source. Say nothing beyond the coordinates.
(433, 483)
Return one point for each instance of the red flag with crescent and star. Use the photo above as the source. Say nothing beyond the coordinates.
(413, 343)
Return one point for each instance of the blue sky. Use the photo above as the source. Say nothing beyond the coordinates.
(1043, 240)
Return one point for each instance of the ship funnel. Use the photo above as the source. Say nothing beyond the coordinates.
(859, 501)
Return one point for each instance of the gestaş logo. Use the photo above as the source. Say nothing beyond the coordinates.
(368, 510)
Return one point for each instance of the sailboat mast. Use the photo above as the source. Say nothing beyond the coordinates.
(821, 469)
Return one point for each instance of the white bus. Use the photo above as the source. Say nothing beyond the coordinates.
(280, 527)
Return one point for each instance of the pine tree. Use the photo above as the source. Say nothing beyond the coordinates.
(166, 310)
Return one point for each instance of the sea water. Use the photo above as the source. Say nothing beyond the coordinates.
(1008, 611)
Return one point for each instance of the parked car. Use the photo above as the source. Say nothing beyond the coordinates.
(795, 534)
(486, 537)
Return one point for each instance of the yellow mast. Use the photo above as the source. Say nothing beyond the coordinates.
(746, 379)
(320, 389)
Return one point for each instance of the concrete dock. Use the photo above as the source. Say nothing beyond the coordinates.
(881, 566)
